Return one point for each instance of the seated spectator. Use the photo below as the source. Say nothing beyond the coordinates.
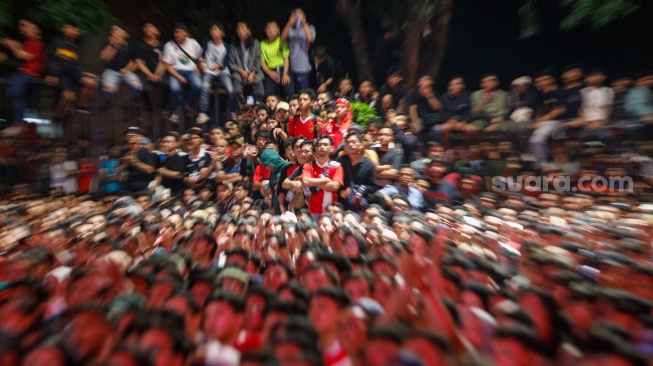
(118, 56)
(245, 65)
(406, 175)
(150, 68)
(393, 93)
(367, 94)
(31, 53)
(182, 57)
(322, 70)
(63, 70)
(490, 105)
(523, 106)
(597, 102)
(346, 89)
(216, 61)
(389, 159)
(638, 101)
(549, 116)
(456, 109)
(424, 106)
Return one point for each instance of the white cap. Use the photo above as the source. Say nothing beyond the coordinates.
(524, 80)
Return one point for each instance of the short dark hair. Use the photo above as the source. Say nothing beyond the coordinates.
(236, 303)
(309, 92)
(340, 296)
(326, 137)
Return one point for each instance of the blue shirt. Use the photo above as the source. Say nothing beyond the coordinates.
(638, 102)
(415, 197)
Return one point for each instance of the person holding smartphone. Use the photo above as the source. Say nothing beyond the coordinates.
(299, 35)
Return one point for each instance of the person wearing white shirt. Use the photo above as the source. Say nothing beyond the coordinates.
(597, 100)
(216, 60)
(182, 56)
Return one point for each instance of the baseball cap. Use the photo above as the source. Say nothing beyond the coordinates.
(283, 106)
(524, 80)
(237, 140)
(133, 130)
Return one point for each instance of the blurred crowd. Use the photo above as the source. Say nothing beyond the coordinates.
(493, 227)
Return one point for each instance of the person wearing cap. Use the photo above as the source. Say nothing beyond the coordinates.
(216, 59)
(245, 65)
(138, 163)
(31, 53)
(230, 171)
(182, 56)
(64, 70)
(198, 164)
(275, 61)
(524, 100)
(118, 56)
(281, 115)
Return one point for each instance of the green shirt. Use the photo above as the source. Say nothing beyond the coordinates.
(274, 53)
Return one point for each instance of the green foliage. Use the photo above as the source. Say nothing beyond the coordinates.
(88, 15)
(597, 12)
(5, 17)
(362, 113)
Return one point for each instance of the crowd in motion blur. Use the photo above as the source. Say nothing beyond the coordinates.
(493, 227)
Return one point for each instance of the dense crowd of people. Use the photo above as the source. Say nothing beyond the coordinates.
(493, 227)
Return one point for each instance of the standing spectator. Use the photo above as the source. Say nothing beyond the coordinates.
(172, 165)
(323, 70)
(216, 60)
(275, 56)
(305, 123)
(118, 56)
(551, 110)
(490, 105)
(63, 70)
(31, 53)
(109, 177)
(245, 65)
(138, 164)
(323, 177)
(182, 57)
(299, 35)
(148, 60)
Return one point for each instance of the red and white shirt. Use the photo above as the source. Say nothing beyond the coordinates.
(321, 199)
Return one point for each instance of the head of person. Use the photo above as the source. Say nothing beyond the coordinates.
(306, 151)
(196, 138)
(366, 88)
(272, 30)
(595, 77)
(324, 146)
(223, 317)
(572, 74)
(394, 78)
(522, 84)
(305, 100)
(385, 136)
(545, 80)
(28, 29)
(70, 30)
(345, 87)
(236, 145)
(354, 144)
(151, 30)
(169, 143)
(181, 33)
(490, 82)
(341, 108)
(456, 85)
(217, 31)
(325, 307)
(243, 31)
(281, 112)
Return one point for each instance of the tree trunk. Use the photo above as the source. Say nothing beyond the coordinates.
(440, 26)
(412, 43)
(351, 13)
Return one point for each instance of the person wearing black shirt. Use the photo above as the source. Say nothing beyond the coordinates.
(572, 79)
(197, 164)
(551, 109)
(119, 67)
(139, 164)
(172, 165)
(64, 70)
(393, 93)
(323, 70)
(360, 187)
(425, 107)
(456, 109)
(148, 61)
(389, 159)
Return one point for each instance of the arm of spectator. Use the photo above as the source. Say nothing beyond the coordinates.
(175, 74)
(165, 172)
(415, 124)
(310, 37)
(286, 29)
(555, 113)
(17, 49)
(130, 67)
(285, 78)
